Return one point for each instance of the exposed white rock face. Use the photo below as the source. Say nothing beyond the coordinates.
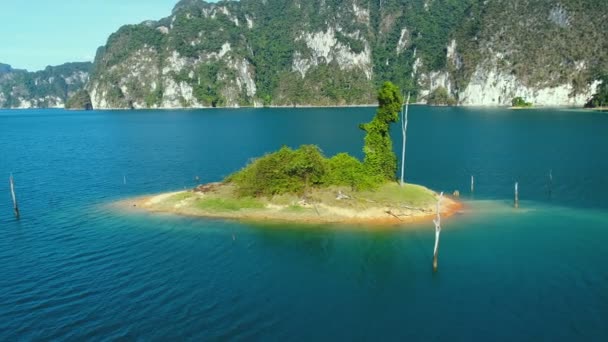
(175, 63)
(244, 77)
(249, 22)
(403, 40)
(178, 95)
(24, 104)
(452, 55)
(140, 68)
(491, 87)
(427, 3)
(433, 81)
(559, 16)
(163, 29)
(78, 77)
(361, 14)
(225, 49)
(98, 97)
(325, 48)
(417, 64)
(139, 76)
(301, 64)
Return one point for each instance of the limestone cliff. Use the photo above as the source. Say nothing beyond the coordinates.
(336, 52)
(48, 88)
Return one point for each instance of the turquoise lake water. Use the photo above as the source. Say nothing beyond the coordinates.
(74, 268)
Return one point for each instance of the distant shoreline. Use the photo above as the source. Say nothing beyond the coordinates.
(305, 107)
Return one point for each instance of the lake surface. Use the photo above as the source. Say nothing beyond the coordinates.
(74, 268)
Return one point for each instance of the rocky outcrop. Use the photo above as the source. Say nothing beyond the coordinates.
(492, 87)
(318, 52)
(48, 88)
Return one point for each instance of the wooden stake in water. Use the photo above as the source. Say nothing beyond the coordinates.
(404, 131)
(437, 222)
(516, 195)
(472, 184)
(15, 204)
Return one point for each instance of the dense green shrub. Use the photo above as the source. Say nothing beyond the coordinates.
(520, 102)
(284, 171)
(346, 170)
(440, 97)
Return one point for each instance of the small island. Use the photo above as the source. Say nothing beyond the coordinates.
(304, 186)
(520, 103)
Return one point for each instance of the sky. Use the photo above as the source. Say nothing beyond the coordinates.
(37, 33)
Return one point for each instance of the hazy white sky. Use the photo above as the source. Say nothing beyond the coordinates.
(37, 33)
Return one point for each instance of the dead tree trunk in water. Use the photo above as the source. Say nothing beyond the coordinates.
(550, 183)
(15, 204)
(437, 222)
(516, 195)
(472, 184)
(404, 131)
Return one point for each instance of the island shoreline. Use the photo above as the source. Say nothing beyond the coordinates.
(376, 216)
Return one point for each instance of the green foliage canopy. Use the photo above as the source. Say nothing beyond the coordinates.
(296, 171)
(520, 102)
(380, 160)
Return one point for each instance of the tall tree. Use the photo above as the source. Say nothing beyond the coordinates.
(380, 160)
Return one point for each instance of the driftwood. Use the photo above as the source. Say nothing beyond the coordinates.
(342, 196)
(207, 187)
(15, 204)
(394, 215)
(424, 210)
(437, 222)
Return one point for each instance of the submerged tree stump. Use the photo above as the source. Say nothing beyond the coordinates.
(516, 195)
(15, 204)
(437, 222)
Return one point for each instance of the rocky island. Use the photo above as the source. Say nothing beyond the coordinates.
(303, 185)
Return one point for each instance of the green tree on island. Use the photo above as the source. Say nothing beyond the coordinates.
(380, 159)
(297, 171)
(520, 102)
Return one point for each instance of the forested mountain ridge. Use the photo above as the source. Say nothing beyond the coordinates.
(48, 88)
(337, 52)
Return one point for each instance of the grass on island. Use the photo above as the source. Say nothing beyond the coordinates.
(224, 198)
(229, 204)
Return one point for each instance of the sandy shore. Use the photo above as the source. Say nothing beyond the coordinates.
(348, 211)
